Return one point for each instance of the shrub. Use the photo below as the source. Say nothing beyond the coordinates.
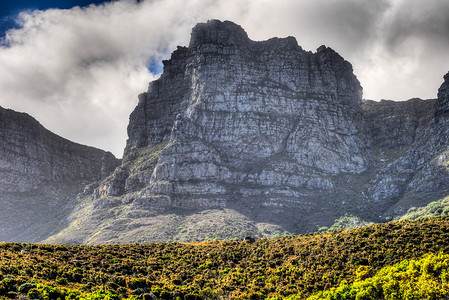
(34, 294)
(61, 280)
(24, 288)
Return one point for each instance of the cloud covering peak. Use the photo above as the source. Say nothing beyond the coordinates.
(79, 71)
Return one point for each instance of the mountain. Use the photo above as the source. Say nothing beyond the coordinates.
(40, 174)
(240, 137)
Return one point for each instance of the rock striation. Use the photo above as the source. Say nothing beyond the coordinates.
(411, 141)
(40, 172)
(31, 156)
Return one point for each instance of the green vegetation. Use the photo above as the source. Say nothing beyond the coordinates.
(144, 156)
(347, 221)
(426, 278)
(435, 208)
(386, 260)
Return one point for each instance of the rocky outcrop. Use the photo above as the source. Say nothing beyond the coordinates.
(40, 172)
(442, 105)
(393, 125)
(397, 129)
(31, 156)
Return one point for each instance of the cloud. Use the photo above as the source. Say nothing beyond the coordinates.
(409, 56)
(427, 21)
(79, 71)
(343, 24)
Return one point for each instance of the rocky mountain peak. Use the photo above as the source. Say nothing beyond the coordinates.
(31, 155)
(218, 32)
(234, 118)
(442, 105)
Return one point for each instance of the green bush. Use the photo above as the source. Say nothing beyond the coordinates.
(34, 294)
(426, 278)
(24, 288)
(61, 280)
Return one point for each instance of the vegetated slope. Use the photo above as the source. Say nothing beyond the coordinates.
(425, 278)
(433, 209)
(296, 266)
(40, 175)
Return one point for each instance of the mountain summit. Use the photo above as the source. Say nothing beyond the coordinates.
(240, 137)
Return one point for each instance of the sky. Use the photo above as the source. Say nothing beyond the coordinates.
(78, 66)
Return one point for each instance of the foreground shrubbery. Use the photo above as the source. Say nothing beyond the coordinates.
(296, 267)
(426, 278)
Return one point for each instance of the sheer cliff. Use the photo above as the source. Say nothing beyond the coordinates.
(240, 137)
(237, 118)
(40, 173)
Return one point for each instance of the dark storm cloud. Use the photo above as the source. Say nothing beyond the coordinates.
(349, 25)
(427, 21)
(409, 56)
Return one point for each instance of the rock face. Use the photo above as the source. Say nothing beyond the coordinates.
(442, 106)
(239, 137)
(40, 172)
(248, 118)
(411, 142)
(400, 134)
(393, 125)
(31, 156)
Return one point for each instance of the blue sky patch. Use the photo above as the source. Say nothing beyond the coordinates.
(9, 10)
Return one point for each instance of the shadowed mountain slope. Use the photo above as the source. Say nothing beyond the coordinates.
(40, 174)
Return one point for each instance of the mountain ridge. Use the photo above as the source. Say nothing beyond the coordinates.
(40, 173)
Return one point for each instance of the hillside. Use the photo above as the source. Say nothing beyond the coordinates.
(293, 266)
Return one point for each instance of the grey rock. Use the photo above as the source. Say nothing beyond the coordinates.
(239, 112)
(31, 155)
(442, 105)
(40, 174)
(411, 142)
(393, 124)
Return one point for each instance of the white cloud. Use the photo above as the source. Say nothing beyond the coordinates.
(79, 71)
